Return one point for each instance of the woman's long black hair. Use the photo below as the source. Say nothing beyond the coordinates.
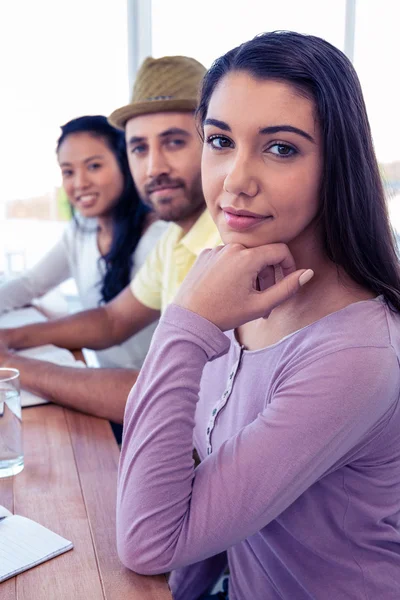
(353, 214)
(129, 214)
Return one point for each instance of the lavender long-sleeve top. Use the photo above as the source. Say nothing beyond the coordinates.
(300, 445)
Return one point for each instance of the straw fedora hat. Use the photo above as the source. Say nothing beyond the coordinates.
(167, 84)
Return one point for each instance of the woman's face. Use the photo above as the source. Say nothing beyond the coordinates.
(91, 175)
(261, 162)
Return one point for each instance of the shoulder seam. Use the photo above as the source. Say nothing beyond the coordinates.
(339, 350)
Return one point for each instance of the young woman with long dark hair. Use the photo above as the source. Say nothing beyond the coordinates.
(109, 237)
(294, 411)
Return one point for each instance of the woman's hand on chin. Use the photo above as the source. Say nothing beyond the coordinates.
(231, 285)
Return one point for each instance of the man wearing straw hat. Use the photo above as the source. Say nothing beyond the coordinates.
(164, 152)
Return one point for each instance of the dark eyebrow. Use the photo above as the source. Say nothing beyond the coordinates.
(93, 157)
(289, 129)
(265, 130)
(136, 139)
(171, 131)
(67, 164)
(174, 131)
(217, 123)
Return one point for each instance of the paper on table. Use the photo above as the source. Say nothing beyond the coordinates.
(25, 544)
(51, 353)
(4, 512)
(21, 316)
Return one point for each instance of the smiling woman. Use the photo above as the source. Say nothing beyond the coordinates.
(109, 238)
(294, 412)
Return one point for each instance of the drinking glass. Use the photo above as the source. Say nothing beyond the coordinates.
(11, 452)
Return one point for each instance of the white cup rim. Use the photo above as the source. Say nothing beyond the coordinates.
(14, 375)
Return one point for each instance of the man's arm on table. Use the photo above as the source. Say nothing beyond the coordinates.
(98, 328)
(99, 392)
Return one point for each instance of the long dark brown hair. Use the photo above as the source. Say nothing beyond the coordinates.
(130, 213)
(353, 213)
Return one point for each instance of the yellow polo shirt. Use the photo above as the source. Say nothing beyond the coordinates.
(157, 282)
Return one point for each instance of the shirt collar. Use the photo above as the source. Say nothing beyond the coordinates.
(203, 234)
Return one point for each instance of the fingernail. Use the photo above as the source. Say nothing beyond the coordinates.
(306, 276)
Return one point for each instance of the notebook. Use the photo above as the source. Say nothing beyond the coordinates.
(25, 544)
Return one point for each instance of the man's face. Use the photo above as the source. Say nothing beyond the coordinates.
(164, 151)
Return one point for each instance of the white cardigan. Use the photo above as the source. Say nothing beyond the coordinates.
(77, 255)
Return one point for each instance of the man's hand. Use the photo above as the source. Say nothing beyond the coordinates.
(5, 355)
(6, 338)
(231, 285)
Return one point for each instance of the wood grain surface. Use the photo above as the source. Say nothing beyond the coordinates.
(69, 485)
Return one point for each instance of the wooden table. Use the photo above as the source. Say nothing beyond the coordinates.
(69, 485)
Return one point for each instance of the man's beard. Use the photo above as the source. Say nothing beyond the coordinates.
(192, 199)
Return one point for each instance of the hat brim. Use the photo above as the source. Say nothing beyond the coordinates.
(121, 116)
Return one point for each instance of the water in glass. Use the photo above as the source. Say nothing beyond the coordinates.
(11, 451)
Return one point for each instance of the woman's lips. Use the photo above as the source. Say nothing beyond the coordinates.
(87, 201)
(242, 222)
